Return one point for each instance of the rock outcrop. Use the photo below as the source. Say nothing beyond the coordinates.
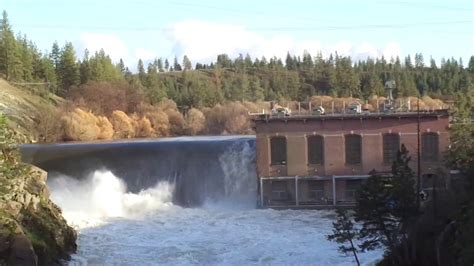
(32, 229)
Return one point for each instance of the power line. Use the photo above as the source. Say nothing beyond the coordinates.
(265, 29)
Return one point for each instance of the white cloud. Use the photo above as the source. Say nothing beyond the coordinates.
(144, 54)
(392, 50)
(112, 45)
(202, 41)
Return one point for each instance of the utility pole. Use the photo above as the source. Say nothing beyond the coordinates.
(418, 181)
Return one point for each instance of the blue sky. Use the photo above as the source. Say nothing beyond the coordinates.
(202, 29)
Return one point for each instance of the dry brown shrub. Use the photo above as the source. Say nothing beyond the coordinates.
(321, 100)
(251, 107)
(167, 104)
(106, 130)
(105, 97)
(159, 121)
(195, 121)
(231, 118)
(263, 106)
(79, 125)
(376, 101)
(431, 103)
(143, 128)
(123, 125)
(176, 121)
(157, 117)
(414, 104)
(49, 125)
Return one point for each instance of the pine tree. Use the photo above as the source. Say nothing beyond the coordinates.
(159, 64)
(176, 65)
(141, 72)
(187, 63)
(167, 65)
(68, 70)
(121, 66)
(84, 69)
(344, 232)
(9, 57)
(56, 55)
(373, 209)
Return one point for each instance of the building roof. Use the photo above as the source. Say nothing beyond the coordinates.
(348, 116)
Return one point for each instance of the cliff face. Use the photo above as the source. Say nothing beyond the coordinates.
(32, 229)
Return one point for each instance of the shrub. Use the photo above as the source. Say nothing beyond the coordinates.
(195, 121)
(79, 125)
(123, 125)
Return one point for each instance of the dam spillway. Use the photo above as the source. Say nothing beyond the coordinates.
(200, 168)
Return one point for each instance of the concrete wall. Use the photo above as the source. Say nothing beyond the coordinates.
(333, 131)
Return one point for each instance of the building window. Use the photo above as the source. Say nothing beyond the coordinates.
(278, 150)
(391, 145)
(315, 150)
(279, 190)
(353, 149)
(429, 147)
(316, 190)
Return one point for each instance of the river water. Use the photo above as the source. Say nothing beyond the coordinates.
(179, 201)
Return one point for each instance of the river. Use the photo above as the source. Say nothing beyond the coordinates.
(179, 201)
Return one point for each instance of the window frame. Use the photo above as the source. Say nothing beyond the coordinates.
(384, 147)
(347, 149)
(319, 139)
(281, 162)
(429, 153)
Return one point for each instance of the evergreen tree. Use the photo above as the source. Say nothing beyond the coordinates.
(167, 65)
(159, 64)
(176, 65)
(56, 55)
(187, 63)
(344, 232)
(141, 72)
(68, 70)
(84, 69)
(10, 63)
(121, 66)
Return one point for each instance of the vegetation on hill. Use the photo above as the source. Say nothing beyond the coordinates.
(113, 102)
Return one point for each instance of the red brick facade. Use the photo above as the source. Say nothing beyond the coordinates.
(333, 129)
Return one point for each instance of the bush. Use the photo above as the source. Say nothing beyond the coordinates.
(105, 97)
(143, 127)
(106, 128)
(123, 125)
(79, 125)
(195, 121)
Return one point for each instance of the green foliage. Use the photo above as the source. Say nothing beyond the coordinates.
(240, 78)
(344, 232)
(68, 69)
(386, 207)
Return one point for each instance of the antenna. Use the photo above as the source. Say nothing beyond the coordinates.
(390, 85)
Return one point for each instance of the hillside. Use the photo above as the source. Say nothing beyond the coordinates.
(24, 106)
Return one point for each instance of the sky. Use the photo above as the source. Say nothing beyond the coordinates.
(148, 29)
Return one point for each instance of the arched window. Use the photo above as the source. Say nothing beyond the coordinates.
(353, 149)
(315, 150)
(278, 150)
(429, 147)
(391, 146)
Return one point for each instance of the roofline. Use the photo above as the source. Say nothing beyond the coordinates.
(305, 117)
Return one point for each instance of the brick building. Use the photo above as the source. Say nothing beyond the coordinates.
(318, 161)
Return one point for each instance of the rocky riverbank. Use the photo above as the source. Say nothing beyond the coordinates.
(32, 229)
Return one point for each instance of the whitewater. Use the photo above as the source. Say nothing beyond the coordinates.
(120, 228)
(135, 204)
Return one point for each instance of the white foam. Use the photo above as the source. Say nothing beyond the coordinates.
(102, 195)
